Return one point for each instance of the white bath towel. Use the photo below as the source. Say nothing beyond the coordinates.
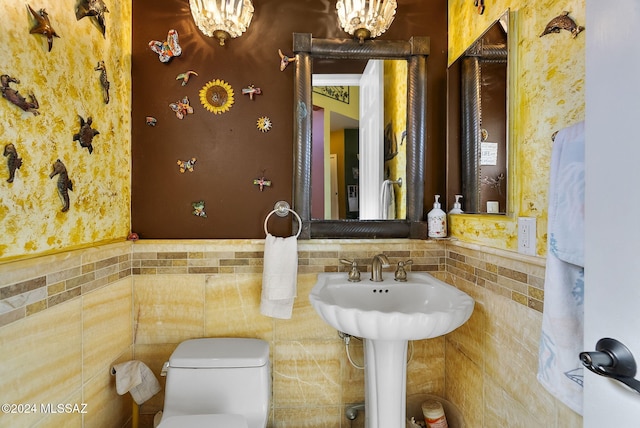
(387, 201)
(135, 377)
(279, 276)
(559, 368)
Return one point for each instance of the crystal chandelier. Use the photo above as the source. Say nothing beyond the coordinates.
(366, 19)
(222, 19)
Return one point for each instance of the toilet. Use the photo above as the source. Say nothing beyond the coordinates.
(217, 382)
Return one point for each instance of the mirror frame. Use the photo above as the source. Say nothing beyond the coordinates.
(415, 51)
(471, 140)
(467, 133)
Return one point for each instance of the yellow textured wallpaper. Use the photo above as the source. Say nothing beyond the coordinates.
(395, 122)
(546, 94)
(66, 86)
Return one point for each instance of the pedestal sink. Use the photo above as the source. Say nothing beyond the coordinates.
(387, 315)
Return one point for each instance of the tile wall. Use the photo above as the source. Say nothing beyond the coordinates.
(214, 290)
(64, 320)
(122, 301)
(491, 361)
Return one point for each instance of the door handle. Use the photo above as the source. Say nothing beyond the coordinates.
(613, 360)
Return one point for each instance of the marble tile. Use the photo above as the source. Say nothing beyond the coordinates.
(312, 376)
(464, 387)
(426, 366)
(168, 308)
(107, 408)
(469, 337)
(502, 410)
(309, 417)
(105, 252)
(307, 372)
(106, 326)
(352, 378)
(232, 307)
(154, 356)
(305, 323)
(41, 360)
(23, 270)
(65, 420)
(511, 364)
(567, 418)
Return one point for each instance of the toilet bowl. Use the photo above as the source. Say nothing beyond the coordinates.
(209, 421)
(218, 382)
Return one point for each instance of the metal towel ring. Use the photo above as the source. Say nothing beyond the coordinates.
(281, 209)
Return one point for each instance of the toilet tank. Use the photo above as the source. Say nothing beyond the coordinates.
(220, 375)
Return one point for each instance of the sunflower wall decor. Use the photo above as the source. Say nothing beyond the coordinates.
(217, 96)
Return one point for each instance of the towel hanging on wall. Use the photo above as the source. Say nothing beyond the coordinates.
(280, 270)
(387, 200)
(279, 276)
(559, 368)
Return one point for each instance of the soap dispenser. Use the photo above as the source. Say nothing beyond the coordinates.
(457, 207)
(437, 221)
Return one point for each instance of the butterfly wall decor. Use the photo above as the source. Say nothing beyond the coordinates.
(181, 108)
(168, 49)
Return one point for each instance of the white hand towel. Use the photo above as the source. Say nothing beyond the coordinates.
(279, 276)
(559, 368)
(387, 201)
(138, 379)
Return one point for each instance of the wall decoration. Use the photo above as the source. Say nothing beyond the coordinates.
(494, 183)
(14, 96)
(186, 165)
(264, 124)
(262, 182)
(479, 5)
(217, 96)
(168, 49)
(103, 81)
(150, 120)
(13, 161)
(284, 60)
(94, 9)
(86, 134)
(182, 108)
(562, 22)
(43, 25)
(198, 209)
(251, 90)
(64, 183)
(338, 93)
(185, 76)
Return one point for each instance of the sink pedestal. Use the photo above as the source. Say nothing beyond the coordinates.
(385, 383)
(386, 315)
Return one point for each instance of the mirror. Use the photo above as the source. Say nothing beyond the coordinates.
(343, 187)
(478, 122)
(415, 52)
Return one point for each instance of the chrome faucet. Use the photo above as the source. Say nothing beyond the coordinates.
(379, 261)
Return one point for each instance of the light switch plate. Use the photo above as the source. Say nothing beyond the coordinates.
(527, 235)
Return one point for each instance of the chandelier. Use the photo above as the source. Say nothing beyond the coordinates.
(222, 19)
(366, 19)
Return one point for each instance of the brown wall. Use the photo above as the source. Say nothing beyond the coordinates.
(230, 150)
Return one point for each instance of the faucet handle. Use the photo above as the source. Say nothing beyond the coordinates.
(401, 274)
(354, 273)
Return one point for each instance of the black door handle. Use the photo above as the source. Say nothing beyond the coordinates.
(613, 360)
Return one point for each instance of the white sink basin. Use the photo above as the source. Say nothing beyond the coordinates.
(421, 308)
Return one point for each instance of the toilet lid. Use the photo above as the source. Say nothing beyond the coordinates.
(200, 421)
